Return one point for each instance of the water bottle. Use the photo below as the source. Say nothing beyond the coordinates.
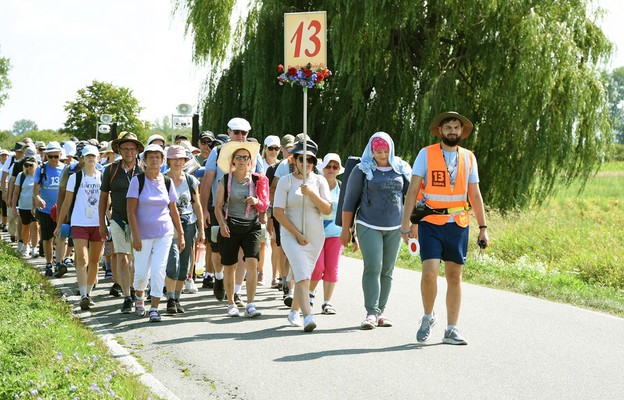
(200, 259)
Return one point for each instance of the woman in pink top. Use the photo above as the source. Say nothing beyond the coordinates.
(152, 216)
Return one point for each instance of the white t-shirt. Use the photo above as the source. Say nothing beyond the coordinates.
(85, 211)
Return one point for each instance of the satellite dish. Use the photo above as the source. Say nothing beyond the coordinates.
(104, 129)
(184, 109)
(106, 118)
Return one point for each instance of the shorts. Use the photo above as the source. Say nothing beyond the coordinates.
(26, 216)
(448, 242)
(3, 207)
(216, 245)
(46, 225)
(90, 233)
(120, 244)
(249, 242)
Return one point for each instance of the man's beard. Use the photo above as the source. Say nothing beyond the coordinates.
(451, 142)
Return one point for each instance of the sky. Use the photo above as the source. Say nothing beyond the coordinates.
(57, 47)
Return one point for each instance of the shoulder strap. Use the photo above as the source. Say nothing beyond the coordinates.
(189, 182)
(79, 175)
(141, 178)
(42, 172)
(167, 184)
(110, 181)
(22, 178)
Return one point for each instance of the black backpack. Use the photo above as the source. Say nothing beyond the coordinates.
(141, 178)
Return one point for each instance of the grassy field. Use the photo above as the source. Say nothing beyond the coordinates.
(569, 250)
(47, 353)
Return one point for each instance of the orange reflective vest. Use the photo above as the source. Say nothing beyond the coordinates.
(438, 191)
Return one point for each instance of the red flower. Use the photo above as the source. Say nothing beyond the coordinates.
(280, 68)
(292, 71)
(319, 77)
(326, 72)
(307, 72)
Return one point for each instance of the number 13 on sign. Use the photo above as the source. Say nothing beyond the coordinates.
(305, 39)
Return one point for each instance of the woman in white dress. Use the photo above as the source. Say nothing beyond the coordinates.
(302, 246)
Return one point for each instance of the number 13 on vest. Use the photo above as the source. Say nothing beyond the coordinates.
(305, 39)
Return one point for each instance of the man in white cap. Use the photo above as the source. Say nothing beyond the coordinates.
(238, 130)
(450, 179)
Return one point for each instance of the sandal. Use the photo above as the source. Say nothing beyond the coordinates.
(139, 308)
(154, 316)
(385, 322)
(328, 309)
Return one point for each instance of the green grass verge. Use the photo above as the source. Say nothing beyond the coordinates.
(569, 250)
(45, 352)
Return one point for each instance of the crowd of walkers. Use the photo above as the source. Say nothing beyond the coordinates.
(149, 213)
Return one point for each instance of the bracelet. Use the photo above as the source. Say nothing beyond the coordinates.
(404, 233)
(483, 227)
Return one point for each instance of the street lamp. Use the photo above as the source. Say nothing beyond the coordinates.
(103, 125)
(181, 119)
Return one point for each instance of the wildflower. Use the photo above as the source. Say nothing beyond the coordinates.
(59, 356)
(73, 388)
(114, 373)
(34, 392)
(91, 344)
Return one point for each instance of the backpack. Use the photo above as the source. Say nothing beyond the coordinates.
(76, 186)
(141, 178)
(42, 172)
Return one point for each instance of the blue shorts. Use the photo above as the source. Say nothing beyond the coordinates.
(448, 242)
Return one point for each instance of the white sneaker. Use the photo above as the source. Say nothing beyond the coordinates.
(34, 252)
(251, 312)
(293, 318)
(20, 248)
(189, 286)
(308, 323)
(25, 250)
(233, 311)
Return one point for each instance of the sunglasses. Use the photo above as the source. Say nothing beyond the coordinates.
(332, 167)
(242, 158)
(205, 141)
(53, 157)
(273, 148)
(28, 165)
(311, 160)
(244, 133)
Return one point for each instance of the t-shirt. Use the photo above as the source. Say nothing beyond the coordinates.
(152, 212)
(48, 189)
(25, 201)
(236, 206)
(17, 168)
(85, 211)
(118, 188)
(331, 229)
(184, 199)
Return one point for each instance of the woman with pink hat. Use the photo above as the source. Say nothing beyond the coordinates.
(179, 262)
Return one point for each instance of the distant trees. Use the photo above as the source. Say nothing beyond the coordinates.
(101, 98)
(5, 83)
(23, 126)
(615, 90)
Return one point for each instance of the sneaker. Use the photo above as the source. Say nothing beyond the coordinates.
(68, 262)
(238, 301)
(288, 300)
(308, 323)
(115, 290)
(91, 302)
(208, 282)
(85, 303)
(285, 289)
(452, 336)
(274, 283)
(328, 309)
(233, 311)
(34, 253)
(189, 286)
(139, 308)
(126, 308)
(171, 307)
(294, 319)
(154, 316)
(132, 293)
(179, 308)
(60, 270)
(219, 289)
(425, 328)
(279, 284)
(260, 278)
(251, 312)
(370, 322)
(383, 321)
(48, 270)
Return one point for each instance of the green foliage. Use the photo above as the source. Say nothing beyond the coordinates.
(102, 98)
(5, 83)
(7, 140)
(23, 126)
(616, 152)
(615, 90)
(525, 72)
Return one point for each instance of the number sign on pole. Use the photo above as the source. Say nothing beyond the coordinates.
(305, 39)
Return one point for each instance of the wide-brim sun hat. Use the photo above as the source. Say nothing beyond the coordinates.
(332, 157)
(53, 146)
(466, 124)
(151, 139)
(153, 148)
(127, 137)
(227, 152)
(311, 148)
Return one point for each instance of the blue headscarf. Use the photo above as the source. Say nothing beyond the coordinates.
(368, 164)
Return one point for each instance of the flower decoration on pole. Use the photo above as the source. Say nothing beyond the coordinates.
(307, 77)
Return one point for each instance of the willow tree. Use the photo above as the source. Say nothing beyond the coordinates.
(527, 73)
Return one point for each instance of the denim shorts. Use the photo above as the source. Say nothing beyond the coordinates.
(448, 242)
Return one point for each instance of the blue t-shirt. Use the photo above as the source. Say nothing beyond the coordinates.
(331, 229)
(49, 186)
(25, 201)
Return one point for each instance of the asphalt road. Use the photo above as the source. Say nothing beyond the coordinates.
(519, 347)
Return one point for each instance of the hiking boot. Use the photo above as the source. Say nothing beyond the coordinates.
(238, 301)
(370, 322)
(85, 304)
(171, 307)
(251, 312)
(115, 290)
(179, 308)
(60, 270)
(208, 282)
(452, 336)
(219, 289)
(48, 270)
(126, 308)
(425, 328)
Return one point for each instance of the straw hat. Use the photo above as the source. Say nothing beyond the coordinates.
(127, 137)
(227, 151)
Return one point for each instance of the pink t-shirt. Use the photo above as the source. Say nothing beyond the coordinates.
(153, 209)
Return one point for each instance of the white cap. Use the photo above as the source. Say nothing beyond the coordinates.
(70, 148)
(90, 150)
(239, 124)
(272, 141)
(54, 146)
(155, 137)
